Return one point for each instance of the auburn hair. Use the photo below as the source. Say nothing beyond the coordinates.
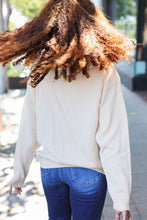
(65, 34)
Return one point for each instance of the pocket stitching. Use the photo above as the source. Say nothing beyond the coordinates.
(46, 173)
(74, 178)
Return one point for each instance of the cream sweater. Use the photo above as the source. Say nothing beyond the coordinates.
(78, 124)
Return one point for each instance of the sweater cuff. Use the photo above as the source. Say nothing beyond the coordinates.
(121, 206)
(17, 182)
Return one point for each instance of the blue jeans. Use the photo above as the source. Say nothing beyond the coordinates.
(74, 191)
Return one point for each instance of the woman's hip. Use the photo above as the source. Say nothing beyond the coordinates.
(79, 179)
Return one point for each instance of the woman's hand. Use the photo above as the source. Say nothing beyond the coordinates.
(125, 215)
(18, 190)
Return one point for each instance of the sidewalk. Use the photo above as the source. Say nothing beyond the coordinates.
(32, 201)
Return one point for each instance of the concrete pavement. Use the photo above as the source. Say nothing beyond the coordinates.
(32, 202)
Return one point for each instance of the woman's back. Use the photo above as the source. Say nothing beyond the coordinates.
(67, 120)
(78, 124)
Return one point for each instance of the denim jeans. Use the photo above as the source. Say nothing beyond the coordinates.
(74, 191)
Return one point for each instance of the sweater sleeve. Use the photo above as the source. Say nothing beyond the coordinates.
(26, 144)
(112, 136)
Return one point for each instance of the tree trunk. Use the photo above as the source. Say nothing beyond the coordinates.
(4, 21)
(1, 16)
(9, 10)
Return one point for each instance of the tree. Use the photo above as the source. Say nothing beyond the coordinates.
(4, 19)
(126, 11)
(1, 16)
(29, 8)
(125, 8)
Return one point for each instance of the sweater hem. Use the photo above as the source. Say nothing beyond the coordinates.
(55, 165)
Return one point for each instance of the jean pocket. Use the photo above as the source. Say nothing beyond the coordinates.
(85, 176)
(44, 171)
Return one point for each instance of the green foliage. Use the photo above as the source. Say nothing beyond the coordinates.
(127, 28)
(29, 8)
(11, 72)
(125, 8)
(126, 11)
(11, 26)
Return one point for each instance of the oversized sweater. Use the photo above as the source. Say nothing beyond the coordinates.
(78, 124)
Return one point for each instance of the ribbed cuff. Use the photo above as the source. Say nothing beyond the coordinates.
(121, 207)
(16, 182)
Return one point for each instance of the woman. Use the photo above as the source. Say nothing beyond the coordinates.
(73, 108)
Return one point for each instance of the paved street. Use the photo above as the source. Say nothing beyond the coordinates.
(32, 202)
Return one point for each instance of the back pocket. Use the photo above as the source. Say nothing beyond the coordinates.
(85, 176)
(44, 171)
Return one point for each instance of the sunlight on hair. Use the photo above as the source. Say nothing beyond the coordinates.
(67, 34)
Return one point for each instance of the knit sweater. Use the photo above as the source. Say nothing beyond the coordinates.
(78, 124)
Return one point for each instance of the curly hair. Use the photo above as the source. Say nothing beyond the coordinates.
(65, 34)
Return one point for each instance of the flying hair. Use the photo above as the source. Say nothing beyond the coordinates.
(65, 34)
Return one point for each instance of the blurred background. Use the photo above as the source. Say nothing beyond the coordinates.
(130, 17)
